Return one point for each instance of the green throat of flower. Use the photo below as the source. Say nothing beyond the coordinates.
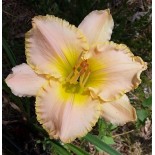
(77, 79)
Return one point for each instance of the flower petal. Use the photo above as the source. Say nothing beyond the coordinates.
(53, 46)
(114, 71)
(65, 115)
(97, 26)
(24, 81)
(119, 111)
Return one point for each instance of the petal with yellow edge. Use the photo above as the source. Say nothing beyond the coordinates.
(23, 81)
(114, 71)
(64, 113)
(97, 26)
(53, 46)
(119, 111)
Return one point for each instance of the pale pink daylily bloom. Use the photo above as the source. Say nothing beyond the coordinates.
(77, 75)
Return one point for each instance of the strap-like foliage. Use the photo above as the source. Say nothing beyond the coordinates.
(100, 144)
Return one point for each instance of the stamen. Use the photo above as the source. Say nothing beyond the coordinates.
(69, 76)
(75, 77)
(84, 78)
(80, 73)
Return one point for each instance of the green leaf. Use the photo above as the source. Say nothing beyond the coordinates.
(44, 147)
(113, 126)
(100, 144)
(76, 150)
(142, 114)
(108, 140)
(60, 149)
(38, 141)
(147, 102)
(9, 53)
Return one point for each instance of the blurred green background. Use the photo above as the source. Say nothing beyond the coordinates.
(22, 134)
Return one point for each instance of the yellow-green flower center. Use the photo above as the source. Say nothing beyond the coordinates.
(76, 80)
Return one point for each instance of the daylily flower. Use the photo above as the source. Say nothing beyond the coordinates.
(77, 75)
